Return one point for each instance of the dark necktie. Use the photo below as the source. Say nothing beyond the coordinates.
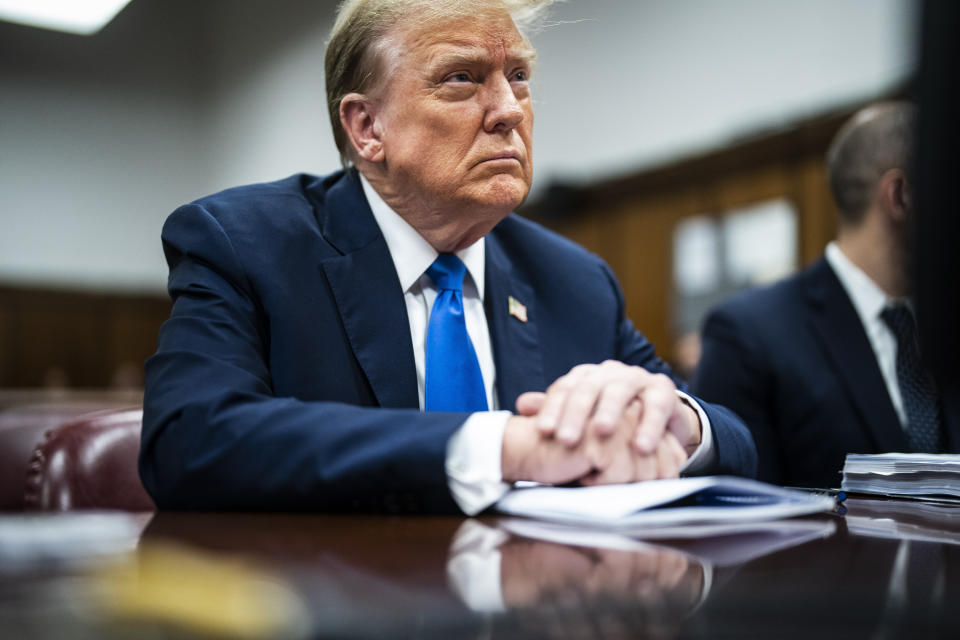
(453, 378)
(916, 387)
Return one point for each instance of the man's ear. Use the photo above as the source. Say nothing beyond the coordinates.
(358, 116)
(895, 194)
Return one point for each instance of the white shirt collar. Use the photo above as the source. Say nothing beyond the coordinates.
(411, 253)
(867, 298)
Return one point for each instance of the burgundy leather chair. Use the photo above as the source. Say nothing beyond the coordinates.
(24, 419)
(89, 463)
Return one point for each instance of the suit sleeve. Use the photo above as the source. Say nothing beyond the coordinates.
(215, 436)
(733, 444)
(731, 372)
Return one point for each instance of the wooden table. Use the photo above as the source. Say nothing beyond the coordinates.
(887, 569)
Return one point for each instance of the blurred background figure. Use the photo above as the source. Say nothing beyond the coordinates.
(827, 362)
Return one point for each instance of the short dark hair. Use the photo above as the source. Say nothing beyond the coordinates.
(876, 139)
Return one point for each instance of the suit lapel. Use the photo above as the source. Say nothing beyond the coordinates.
(838, 328)
(516, 347)
(368, 295)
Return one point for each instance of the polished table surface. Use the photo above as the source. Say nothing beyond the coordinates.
(884, 569)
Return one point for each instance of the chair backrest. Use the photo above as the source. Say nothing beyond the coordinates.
(24, 419)
(89, 463)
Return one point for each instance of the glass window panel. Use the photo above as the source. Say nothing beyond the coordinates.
(696, 260)
(760, 242)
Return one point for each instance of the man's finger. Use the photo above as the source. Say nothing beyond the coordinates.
(548, 418)
(612, 458)
(579, 406)
(645, 467)
(614, 398)
(530, 403)
(670, 457)
(660, 402)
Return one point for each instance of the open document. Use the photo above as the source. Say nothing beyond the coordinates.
(663, 503)
(903, 474)
(521, 562)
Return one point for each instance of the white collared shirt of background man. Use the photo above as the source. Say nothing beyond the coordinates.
(869, 301)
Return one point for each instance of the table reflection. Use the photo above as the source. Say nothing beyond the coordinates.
(869, 580)
(885, 570)
(362, 575)
(534, 573)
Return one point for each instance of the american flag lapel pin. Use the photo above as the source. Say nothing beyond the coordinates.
(517, 309)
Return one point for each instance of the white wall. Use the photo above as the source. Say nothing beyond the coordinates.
(267, 115)
(98, 141)
(629, 84)
(101, 137)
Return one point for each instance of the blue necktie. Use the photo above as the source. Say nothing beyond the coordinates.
(916, 387)
(453, 378)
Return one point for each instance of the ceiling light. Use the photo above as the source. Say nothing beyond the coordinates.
(84, 17)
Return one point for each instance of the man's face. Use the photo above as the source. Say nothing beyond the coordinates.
(456, 122)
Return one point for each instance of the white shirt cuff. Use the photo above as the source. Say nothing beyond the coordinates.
(473, 567)
(703, 458)
(473, 461)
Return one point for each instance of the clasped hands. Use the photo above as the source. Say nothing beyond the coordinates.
(600, 424)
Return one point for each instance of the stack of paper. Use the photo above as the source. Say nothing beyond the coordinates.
(903, 474)
(661, 503)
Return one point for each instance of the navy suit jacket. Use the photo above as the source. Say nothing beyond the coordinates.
(285, 376)
(794, 361)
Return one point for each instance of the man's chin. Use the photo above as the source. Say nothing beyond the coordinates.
(501, 192)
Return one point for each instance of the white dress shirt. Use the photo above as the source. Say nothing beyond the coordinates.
(473, 452)
(869, 301)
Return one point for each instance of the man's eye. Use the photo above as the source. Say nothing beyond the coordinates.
(458, 77)
(520, 76)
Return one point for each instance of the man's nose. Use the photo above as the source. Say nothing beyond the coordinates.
(503, 110)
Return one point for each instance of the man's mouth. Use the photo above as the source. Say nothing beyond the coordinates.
(503, 156)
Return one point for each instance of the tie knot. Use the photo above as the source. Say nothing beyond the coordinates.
(900, 320)
(447, 272)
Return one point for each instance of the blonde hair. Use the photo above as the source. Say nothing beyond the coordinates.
(354, 58)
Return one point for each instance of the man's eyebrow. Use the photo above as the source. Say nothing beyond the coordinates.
(480, 56)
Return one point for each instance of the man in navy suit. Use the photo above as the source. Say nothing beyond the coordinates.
(816, 364)
(297, 360)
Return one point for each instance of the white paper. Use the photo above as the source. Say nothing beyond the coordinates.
(636, 506)
(902, 474)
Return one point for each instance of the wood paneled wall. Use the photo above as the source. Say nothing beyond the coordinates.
(51, 337)
(630, 221)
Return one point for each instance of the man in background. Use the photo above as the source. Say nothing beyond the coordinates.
(344, 342)
(826, 362)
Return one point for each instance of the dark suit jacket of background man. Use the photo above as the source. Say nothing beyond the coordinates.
(794, 361)
(289, 324)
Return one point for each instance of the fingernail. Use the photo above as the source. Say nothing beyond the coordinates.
(566, 434)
